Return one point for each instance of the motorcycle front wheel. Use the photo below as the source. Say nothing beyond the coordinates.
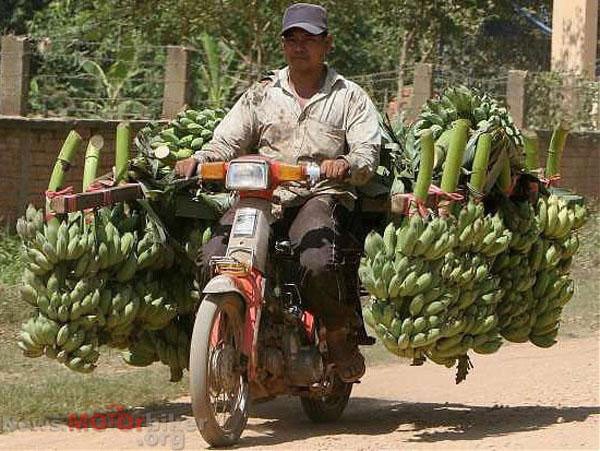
(218, 383)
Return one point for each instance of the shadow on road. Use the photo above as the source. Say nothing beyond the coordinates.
(429, 422)
(284, 422)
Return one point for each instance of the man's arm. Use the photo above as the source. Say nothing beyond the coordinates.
(363, 136)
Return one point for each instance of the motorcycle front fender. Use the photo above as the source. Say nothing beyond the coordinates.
(225, 283)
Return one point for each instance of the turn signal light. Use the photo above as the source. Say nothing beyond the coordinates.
(289, 172)
(213, 171)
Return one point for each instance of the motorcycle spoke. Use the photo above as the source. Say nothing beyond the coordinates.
(226, 401)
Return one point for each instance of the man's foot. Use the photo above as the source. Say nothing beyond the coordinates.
(343, 350)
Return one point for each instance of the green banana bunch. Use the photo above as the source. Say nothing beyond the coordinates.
(170, 345)
(464, 270)
(27, 227)
(496, 238)
(189, 132)
(70, 343)
(429, 240)
(157, 308)
(141, 352)
(556, 219)
(152, 253)
(463, 103)
(520, 219)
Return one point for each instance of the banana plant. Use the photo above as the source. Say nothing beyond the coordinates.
(112, 82)
(215, 83)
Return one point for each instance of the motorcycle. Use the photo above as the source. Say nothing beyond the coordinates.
(252, 338)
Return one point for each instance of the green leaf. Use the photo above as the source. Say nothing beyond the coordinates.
(94, 69)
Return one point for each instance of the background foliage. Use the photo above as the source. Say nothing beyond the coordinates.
(106, 57)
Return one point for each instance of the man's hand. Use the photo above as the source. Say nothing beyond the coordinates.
(335, 169)
(186, 168)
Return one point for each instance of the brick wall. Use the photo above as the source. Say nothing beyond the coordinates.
(29, 147)
(28, 151)
(580, 169)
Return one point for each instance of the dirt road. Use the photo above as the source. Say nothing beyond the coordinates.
(522, 397)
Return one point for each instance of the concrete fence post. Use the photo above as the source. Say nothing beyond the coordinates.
(177, 89)
(422, 88)
(14, 75)
(516, 96)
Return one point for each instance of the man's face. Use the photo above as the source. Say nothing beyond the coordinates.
(304, 51)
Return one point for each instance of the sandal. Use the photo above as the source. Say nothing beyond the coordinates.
(343, 350)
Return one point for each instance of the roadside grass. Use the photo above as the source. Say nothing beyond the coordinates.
(39, 389)
(11, 257)
(581, 315)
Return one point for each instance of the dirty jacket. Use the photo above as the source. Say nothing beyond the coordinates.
(339, 121)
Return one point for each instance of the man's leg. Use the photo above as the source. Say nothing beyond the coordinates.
(217, 245)
(315, 235)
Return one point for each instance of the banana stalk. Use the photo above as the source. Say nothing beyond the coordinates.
(92, 156)
(505, 178)
(65, 158)
(425, 166)
(555, 150)
(122, 150)
(458, 142)
(531, 143)
(480, 163)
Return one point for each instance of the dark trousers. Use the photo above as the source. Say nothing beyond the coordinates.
(316, 232)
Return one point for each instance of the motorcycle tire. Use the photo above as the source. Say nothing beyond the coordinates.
(217, 310)
(327, 409)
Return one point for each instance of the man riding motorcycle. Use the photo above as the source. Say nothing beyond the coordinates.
(306, 112)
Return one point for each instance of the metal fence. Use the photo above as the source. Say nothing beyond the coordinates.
(88, 80)
(121, 82)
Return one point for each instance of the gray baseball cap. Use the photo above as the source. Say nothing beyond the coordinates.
(311, 18)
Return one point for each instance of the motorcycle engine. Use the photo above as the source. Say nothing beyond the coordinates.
(304, 363)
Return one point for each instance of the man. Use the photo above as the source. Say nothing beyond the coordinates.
(307, 112)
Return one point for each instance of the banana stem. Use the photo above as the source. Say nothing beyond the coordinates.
(92, 157)
(65, 158)
(505, 178)
(555, 150)
(122, 151)
(532, 144)
(480, 163)
(425, 166)
(458, 143)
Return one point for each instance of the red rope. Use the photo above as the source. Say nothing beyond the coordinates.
(438, 192)
(409, 200)
(550, 181)
(62, 192)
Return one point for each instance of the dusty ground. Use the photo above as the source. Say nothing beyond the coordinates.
(523, 397)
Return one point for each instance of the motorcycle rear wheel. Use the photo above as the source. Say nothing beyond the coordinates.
(327, 409)
(218, 385)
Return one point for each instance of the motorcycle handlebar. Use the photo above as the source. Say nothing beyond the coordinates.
(282, 172)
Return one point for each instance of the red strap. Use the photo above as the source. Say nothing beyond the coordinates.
(99, 184)
(437, 191)
(409, 200)
(62, 192)
(550, 181)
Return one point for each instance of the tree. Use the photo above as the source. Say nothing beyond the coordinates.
(14, 14)
(370, 35)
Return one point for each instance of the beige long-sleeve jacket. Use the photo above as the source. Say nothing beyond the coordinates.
(339, 121)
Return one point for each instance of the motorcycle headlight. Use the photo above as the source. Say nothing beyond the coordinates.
(247, 175)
